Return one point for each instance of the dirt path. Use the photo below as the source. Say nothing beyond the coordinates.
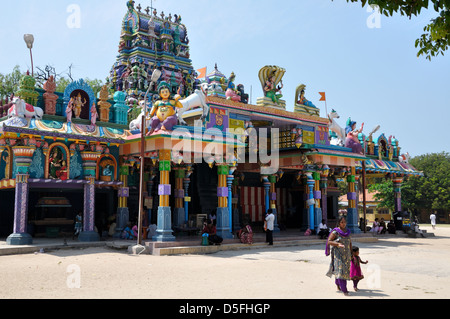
(406, 268)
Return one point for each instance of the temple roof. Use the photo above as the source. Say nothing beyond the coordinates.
(54, 129)
(374, 166)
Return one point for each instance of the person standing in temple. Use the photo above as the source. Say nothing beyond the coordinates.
(270, 219)
(433, 219)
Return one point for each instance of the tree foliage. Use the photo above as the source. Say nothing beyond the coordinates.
(431, 191)
(436, 38)
(9, 83)
(383, 193)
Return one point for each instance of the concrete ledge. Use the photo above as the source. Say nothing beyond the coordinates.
(182, 247)
(31, 249)
(185, 250)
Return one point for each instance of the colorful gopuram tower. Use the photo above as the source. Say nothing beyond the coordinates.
(152, 41)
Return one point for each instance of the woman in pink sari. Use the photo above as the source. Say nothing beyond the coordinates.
(246, 235)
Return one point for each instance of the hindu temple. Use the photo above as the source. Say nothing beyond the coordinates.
(203, 149)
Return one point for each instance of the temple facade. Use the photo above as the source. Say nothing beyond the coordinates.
(203, 148)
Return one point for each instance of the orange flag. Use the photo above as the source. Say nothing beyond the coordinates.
(322, 94)
(202, 73)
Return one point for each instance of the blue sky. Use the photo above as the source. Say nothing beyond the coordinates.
(369, 74)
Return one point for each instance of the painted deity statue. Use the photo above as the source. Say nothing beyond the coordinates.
(69, 111)
(232, 93)
(164, 111)
(78, 104)
(56, 164)
(272, 91)
(303, 101)
(94, 114)
(271, 78)
(352, 133)
(50, 98)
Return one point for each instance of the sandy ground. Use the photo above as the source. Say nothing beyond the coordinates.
(406, 268)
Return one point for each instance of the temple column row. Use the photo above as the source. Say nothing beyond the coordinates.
(23, 156)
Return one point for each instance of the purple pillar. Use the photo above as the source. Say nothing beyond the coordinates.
(22, 157)
(88, 234)
(21, 204)
(323, 186)
(398, 194)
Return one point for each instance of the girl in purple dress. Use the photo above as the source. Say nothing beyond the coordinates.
(355, 268)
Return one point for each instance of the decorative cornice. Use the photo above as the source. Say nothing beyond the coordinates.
(266, 110)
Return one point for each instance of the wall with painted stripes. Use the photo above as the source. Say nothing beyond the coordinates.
(253, 202)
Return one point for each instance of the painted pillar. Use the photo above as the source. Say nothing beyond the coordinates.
(187, 199)
(236, 214)
(179, 212)
(89, 168)
(352, 211)
(324, 189)
(273, 201)
(186, 183)
(311, 202)
(150, 185)
(301, 176)
(164, 231)
(123, 214)
(230, 179)
(398, 193)
(223, 213)
(317, 197)
(23, 156)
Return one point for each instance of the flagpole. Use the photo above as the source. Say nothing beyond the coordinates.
(324, 98)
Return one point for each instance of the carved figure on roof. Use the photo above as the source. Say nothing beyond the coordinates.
(94, 114)
(271, 89)
(352, 140)
(244, 96)
(78, 105)
(404, 158)
(163, 113)
(337, 129)
(69, 111)
(197, 99)
(50, 97)
(271, 78)
(22, 109)
(231, 92)
(300, 96)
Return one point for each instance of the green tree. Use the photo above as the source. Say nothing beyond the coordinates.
(384, 193)
(95, 84)
(431, 191)
(9, 83)
(436, 38)
(61, 84)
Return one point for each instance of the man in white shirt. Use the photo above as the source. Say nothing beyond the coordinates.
(323, 230)
(270, 218)
(433, 219)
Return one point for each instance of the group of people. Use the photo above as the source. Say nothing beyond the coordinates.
(379, 227)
